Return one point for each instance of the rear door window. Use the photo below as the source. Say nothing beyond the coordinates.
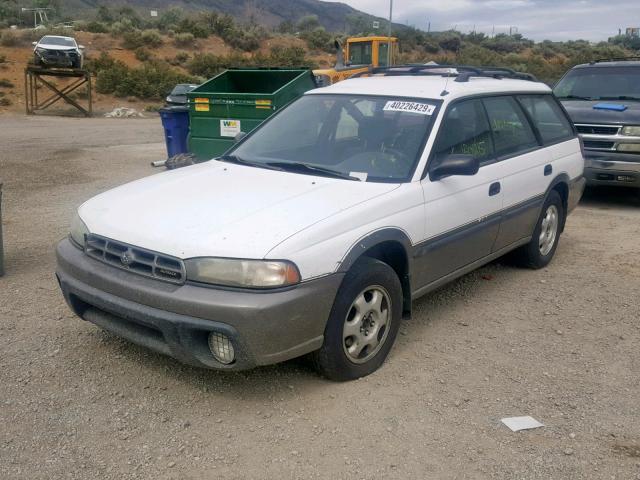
(548, 117)
(465, 130)
(512, 133)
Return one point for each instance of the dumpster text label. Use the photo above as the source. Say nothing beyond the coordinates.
(229, 128)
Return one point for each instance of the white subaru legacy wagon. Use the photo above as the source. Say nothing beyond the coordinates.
(314, 233)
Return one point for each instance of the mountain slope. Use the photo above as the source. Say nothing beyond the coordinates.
(332, 15)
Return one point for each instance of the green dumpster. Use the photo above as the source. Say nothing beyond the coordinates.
(238, 100)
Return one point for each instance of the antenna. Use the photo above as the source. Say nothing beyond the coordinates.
(445, 92)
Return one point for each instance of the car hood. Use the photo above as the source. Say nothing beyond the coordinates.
(47, 46)
(582, 111)
(220, 209)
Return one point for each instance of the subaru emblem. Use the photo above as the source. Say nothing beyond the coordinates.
(127, 258)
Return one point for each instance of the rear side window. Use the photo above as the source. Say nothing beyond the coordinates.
(465, 130)
(548, 117)
(512, 133)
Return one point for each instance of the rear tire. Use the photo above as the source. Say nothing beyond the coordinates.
(544, 242)
(363, 323)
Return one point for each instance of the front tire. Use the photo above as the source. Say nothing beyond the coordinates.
(544, 242)
(363, 323)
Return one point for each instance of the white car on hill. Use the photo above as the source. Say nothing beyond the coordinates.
(315, 232)
(58, 51)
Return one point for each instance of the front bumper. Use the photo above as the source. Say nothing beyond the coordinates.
(265, 327)
(610, 168)
(57, 58)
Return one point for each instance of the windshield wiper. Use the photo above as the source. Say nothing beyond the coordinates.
(619, 97)
(575, 97)
(241, 161)
(313, 169)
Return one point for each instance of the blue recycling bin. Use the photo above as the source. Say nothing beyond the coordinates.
(175, 121)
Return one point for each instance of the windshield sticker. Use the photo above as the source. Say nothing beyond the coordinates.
(362, 176)
(229, 128)
(411, 107)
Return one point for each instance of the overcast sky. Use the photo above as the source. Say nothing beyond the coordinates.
(536, 19)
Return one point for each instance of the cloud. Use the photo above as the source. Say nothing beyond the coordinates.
(538, 19)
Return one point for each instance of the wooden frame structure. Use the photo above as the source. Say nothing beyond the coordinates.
(34, 78)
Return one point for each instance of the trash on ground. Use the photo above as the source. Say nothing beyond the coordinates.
(124, 112)
(521, 423)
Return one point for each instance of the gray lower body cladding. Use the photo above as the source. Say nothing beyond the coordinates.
(265, 326)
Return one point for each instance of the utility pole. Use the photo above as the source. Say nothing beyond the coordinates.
(389, 33)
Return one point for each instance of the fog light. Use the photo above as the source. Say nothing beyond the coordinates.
(221, 348)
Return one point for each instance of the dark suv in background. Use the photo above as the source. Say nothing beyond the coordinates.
(603, 100)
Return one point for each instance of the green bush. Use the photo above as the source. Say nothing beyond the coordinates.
(185, 39)
(247, 40)
(288, 57)
(121, 27)
(450, 42)
(96, 27)
(151, 38)
(4, 102)
(195, 28)
(147, 38)
(152, 80)
(207, 65)
(319, 39)
(2, 58)
(4, 83)
(132, 39)
(9, 39)
(142, 54)
(180, 59)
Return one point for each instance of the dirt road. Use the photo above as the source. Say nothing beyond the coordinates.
(561, 344)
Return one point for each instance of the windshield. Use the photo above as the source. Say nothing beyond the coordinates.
(600, 83)
(375, 139)
(63, 42)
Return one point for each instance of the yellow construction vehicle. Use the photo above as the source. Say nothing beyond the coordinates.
(361, 54)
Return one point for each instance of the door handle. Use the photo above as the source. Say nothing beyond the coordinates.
(548, 169)
(494, 189)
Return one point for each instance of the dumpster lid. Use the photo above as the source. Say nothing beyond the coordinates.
(174, 109)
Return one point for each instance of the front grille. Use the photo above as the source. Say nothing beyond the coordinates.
(598, 129)
(598, 145)
(135, 259)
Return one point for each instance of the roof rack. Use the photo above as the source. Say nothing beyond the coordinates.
(614, 59)
(462, 73)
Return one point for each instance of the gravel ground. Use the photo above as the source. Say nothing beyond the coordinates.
(561, 344)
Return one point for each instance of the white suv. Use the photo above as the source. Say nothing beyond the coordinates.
(315, 232)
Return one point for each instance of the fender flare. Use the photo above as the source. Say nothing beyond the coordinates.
(370, 240)
(558, 179)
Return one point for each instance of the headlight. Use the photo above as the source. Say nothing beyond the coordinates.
(242, 273)
(41, 50)
(631, 131)
(78, 231)
(629, 147)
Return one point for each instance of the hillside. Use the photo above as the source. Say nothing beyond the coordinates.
(138, 59)
(269, 13)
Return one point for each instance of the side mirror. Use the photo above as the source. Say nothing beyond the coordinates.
(34, 43)
(454, 164)
(239, 136)
(81, 47)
